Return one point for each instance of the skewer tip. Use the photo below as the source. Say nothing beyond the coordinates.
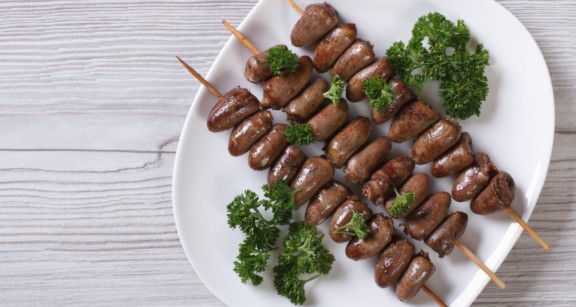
(201, 79)
(296, 7)
(433, 296)
(240, 37)
(480, 264)
(528, 229)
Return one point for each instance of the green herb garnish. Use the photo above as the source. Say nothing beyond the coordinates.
(355, 227)
(245, 213)
(280, 199)
(438, 51)
(281, 59)
(303, 254)
(402, 203)
(379, 93)
(300, 134)
(251, 260)
(336, 90)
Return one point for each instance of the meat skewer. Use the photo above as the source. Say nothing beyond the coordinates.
(319, 19)
(278, 90)
(253, 131)
(508, 211)
(302, 107)
(440, 238)
(498, 195)
(476, 179)
(394, 267)
(257, 67)
(389, 270)
(392, 175)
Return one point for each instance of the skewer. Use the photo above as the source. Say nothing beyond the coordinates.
(196, 75)
(527, 228)
(480, 264)
(241, 37)
(433, 296)
(296, 7)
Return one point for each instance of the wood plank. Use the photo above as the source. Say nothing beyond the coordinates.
(552, 25)
(103, 75)
(90, 227)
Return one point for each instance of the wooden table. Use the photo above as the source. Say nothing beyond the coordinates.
(92, 102)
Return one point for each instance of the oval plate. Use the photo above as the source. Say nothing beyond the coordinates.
(516, 129)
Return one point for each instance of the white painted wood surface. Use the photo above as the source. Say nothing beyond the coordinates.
(91, 106)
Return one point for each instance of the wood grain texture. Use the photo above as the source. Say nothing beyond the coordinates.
(92, 102)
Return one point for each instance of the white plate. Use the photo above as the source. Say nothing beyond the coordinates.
(515, 129)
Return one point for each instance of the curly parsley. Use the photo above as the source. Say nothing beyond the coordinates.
(281, 59)
(355, 227)
(402, 204)
(245, 213)
(303, 254)
(379, 93)
(438, 51)
(299, 134)
(336, 90)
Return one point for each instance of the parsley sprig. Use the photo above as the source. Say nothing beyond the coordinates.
(281, 60)
(280, 200)
(402, 204)
(245, 212)
(303, 254)
(438, 51)
(336, 90)
(355, 227)
(379, 93)
(300, 134)
(303, 258)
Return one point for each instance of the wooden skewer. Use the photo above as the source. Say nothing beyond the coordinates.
(196, 75)
(241, 37)
(527, 228)
(296, 7)
(433, 296)
(480, 264)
